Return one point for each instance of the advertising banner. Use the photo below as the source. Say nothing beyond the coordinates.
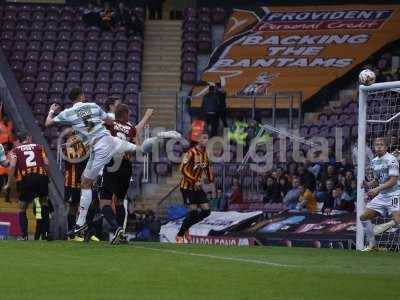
(216, 222)
(296, 49)
(304, 226)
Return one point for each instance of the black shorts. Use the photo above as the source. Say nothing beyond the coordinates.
(193, 197)
(72, 195)
(116, 183)
(3, 180)
(32, 186)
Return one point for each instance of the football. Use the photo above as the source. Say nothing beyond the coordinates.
(367, 77)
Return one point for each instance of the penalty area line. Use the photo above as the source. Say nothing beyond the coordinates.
(218, 257)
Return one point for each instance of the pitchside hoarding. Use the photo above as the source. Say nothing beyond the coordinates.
(215, 224)
(292, 49)
(308, 227)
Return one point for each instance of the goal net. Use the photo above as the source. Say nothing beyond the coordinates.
(379, 116)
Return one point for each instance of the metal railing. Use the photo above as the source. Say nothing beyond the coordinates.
(293, 102)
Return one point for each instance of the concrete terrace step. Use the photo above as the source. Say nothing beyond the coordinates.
(164, 42)
(167, 35)
(171, 48)
(154, 59)
(163, 74)
(162, 24)
(160, 106)
(162, 68)
(147, 86)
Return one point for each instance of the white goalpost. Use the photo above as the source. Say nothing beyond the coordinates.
(378, 115)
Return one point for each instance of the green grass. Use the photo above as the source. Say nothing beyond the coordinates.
(65, 270)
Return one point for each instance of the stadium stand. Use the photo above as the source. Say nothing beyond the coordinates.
(51, 50)
(196, 37)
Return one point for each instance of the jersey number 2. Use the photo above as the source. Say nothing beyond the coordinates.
(30, 160)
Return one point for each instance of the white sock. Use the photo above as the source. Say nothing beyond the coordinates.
(388, 225)
(86, 200)
(369, 232)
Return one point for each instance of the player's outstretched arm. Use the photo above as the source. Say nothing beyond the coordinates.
(146, 118)
(139, 127)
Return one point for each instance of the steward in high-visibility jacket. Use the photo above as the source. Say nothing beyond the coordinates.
(238, 133)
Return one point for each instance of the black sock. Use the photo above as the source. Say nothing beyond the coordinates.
(191, 219)
(23, 223)
(37, 230)
(108, 213)
(120, 212)
(71, 221)
(203, 214)
(45, 222)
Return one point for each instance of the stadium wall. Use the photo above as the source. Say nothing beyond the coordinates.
(21, 115)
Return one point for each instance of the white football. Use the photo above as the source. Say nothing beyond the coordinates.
(367, 77)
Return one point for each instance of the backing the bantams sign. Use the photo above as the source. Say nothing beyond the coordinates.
(291, 49)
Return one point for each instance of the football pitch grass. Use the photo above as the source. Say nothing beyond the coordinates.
(67, 270)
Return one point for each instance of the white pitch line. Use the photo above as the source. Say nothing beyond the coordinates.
(227, 258)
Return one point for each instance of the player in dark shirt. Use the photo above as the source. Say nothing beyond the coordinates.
(117, 174)
(29, 164)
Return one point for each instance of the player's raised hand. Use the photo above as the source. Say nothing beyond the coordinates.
(54, 107)
(149, 112)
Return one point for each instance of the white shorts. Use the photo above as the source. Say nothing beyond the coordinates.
(102, 152)
(385, 204)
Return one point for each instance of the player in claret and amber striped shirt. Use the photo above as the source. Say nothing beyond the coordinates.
(195, 165)
(75, 159)
(29, 164)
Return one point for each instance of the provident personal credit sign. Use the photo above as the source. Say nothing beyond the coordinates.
(281, 49)
(320, 20)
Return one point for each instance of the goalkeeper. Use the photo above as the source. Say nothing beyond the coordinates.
(384, 191)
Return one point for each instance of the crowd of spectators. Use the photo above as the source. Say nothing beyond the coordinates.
(383, 67)
(308, 187)
(313, 187)
(108, 17)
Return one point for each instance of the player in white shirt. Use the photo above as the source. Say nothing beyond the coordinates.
(384, 190)
(88, 120)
